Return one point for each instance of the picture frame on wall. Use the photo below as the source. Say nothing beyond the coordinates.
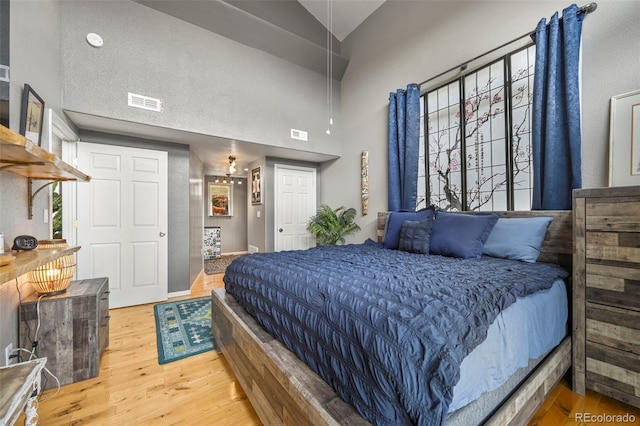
(624, 140)
(220, 199)
(256, 185)
(31, 115)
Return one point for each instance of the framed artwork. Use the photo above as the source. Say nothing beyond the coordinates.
(32, 115)
(256, 185)
(364, 181)
(220, 199)
(624, 140)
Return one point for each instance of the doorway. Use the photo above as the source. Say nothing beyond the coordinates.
(295, 202)
(122, 221)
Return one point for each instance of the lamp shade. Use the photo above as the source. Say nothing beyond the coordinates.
(55, 276)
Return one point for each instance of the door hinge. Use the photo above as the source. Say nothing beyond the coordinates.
(75, 223)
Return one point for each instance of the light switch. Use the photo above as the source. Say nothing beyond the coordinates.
(258, 213)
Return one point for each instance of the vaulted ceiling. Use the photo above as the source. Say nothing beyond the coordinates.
(294, 30)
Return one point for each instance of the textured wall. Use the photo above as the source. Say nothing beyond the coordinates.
(208, 84)
(35, 27)
(196, 215)
(404, 42)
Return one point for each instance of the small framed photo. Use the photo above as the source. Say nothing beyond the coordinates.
(32, 115)
(624, 140)
(221, 198)
(256, 186)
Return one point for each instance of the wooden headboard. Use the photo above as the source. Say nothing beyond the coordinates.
(557, 246)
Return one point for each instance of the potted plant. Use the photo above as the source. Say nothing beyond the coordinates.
(329, 226)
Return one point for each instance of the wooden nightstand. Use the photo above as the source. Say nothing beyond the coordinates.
(74, 329)
(606, 296)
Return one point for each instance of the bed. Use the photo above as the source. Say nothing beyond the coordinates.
(284, 390)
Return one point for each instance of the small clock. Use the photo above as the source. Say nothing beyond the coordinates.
(24, 242)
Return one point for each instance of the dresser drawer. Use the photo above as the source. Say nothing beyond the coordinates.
(613, 214)
(613, 372)
(615, 327)
(613, 284)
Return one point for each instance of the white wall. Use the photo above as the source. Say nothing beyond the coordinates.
(410, 41)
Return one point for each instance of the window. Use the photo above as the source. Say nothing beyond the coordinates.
(475, 138)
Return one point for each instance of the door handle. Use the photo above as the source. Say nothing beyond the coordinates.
(280, 230)
(162, 234)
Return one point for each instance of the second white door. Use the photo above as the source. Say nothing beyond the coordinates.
(122, 221)
(295, 203)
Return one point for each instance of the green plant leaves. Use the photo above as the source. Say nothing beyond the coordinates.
(329, 226)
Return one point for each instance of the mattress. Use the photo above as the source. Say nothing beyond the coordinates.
(527, 329)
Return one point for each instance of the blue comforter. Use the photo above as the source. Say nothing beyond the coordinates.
(386, 329)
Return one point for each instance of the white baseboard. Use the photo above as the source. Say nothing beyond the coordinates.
(179, 294)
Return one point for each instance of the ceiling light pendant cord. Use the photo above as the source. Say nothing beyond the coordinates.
(330, 64)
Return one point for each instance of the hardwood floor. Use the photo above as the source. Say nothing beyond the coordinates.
(133, 388)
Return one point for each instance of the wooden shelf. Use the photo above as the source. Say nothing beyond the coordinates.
(21, 156)
(29, 260)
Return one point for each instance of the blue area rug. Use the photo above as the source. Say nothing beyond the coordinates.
(183, 328)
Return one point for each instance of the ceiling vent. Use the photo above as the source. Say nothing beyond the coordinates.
(144, 102)
(300, 135)
(4, 73)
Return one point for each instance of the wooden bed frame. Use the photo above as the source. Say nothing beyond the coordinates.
(283, 390)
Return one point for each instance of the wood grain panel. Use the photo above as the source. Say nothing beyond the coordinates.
(630, 273)
(607, 290)
(579, 290)
(617, 214)
(281, 388)
(613, 334)
(73, 329)
(523, 405)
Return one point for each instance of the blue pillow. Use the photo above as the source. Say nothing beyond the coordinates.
(394, 223)
(460, 235)
(414, 236)
(517, 238)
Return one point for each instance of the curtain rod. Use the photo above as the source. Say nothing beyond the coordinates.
(587, 8)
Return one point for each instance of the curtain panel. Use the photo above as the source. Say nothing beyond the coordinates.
(556, 138)
(404, 135)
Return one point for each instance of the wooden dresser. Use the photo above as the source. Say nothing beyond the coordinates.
(606, 296)
(74, 329)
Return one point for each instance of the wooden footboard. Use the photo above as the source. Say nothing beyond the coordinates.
(283, 390)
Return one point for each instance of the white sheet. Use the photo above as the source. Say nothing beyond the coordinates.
(529, 328)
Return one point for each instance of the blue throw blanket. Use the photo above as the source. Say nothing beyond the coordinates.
(386, 329)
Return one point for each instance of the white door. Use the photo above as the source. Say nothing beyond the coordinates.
(122, 221)
(295, 203)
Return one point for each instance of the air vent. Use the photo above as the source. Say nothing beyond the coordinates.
(4, 73)
(300, 135)
(144, 102)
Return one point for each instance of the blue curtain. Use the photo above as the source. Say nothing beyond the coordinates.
(556, 111)
(404, 135)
